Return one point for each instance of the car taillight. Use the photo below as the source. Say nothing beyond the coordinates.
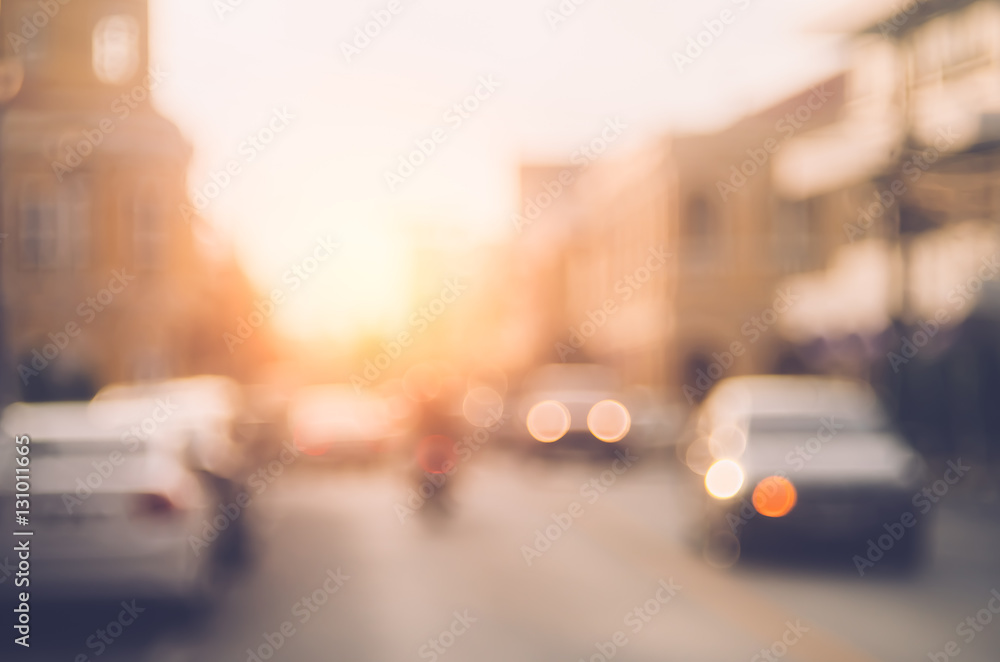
(153, 505)
(775, 496)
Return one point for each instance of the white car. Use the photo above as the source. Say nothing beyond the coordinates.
(113, 515)
(792, 460)
(203, 410)
(200, 416)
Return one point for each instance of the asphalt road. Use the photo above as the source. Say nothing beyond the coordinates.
(516, 571)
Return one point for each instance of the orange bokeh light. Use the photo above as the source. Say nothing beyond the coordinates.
(774, 496)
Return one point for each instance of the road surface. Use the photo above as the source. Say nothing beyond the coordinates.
(544, 561)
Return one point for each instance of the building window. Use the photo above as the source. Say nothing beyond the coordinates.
(149, 231)
(791, 237)
(703, 235)
(54, 226)
(38, 238)
(116, 48)
(797, 235)
(74, 223)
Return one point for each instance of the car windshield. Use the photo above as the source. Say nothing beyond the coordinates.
(810, 424)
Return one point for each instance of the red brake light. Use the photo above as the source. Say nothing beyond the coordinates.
(153, 505)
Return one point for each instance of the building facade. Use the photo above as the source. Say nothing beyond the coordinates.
(101, 274)
(907, 186)
(668, 263)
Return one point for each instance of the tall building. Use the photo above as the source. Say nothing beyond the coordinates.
(622, 266)
(542, 226)
(903, 185)
(102, 279)
(689, 249)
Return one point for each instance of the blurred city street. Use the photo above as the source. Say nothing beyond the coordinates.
(526, 331)
(405, 583)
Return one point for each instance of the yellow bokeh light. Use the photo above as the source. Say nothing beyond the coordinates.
(609, 421)
(724, 479)
(548, 421)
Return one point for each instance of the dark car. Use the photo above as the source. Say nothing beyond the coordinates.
(791, 463)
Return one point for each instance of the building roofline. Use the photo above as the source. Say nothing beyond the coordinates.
(880, 19)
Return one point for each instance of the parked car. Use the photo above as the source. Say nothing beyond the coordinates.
(789, 461)
(205, 410)
(113, 514)
(199, 417)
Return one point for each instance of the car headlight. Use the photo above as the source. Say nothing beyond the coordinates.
(609, 421)
(724, 479)
(548, 421)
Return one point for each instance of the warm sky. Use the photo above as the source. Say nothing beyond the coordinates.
(325, 172)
